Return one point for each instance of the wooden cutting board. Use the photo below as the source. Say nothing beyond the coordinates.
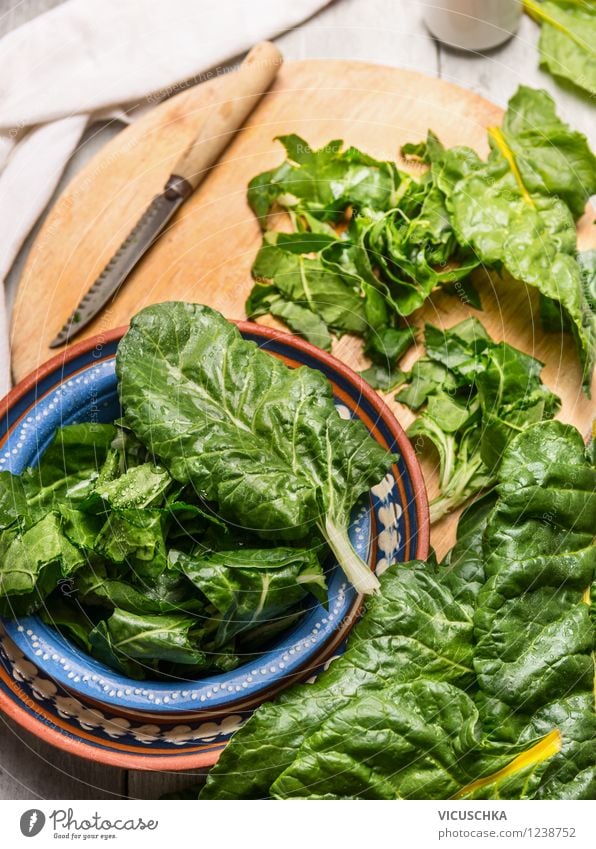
(207, 252)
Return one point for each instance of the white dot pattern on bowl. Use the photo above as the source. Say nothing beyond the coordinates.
(88, 719)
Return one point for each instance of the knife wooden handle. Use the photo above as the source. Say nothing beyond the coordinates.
(244, 90)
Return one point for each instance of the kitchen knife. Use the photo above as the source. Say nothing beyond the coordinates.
(243, 91)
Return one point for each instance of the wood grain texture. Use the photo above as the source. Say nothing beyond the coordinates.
(143, 785)
(206, 253)
(32, 769)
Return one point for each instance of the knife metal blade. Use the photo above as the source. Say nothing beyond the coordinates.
(139, 240)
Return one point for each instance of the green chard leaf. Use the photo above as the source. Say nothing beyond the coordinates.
(471, 692)
(134, 537)
(255, 639)
(249, 587)
(414, 625)
(534, 635)
(587, 264)
(171, 592)
(388, 344)
(324, 182)
(262, 441)
(384, 378)
(567, 38)
(69, 468)
(134, 642)
(392, 243)
(385, 346)
(138, 488)
(69, 618)
(80, 528)
(465, 573)
(517, 209)
(13, 501)
(300, 319)
(550, 156)
(415, 255)
(512, 398)
(418, 740)
(308, 283)
(478, 394)
(32, 564)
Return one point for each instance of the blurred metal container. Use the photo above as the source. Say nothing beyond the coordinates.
(472, 24)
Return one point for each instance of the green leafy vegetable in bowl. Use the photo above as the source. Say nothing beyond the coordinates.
(194, 529)
(371, 242)
(477, 395)
(262, 441)
(109, 548)
(472, 679)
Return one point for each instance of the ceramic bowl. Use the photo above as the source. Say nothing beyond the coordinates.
(390, 525)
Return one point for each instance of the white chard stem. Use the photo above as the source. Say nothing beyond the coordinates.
(355, 569)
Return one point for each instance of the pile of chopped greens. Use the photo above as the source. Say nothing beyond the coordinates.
(476, 395)
(194, 529)
(371, 242)
(472, 679)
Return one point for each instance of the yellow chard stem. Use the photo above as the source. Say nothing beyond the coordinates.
(507, 154)
(587, 599)
(537, 13)
(541, 751)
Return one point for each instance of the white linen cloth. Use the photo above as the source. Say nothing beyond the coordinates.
(86, 59)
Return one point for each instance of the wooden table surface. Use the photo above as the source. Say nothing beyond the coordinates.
(383, 31)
